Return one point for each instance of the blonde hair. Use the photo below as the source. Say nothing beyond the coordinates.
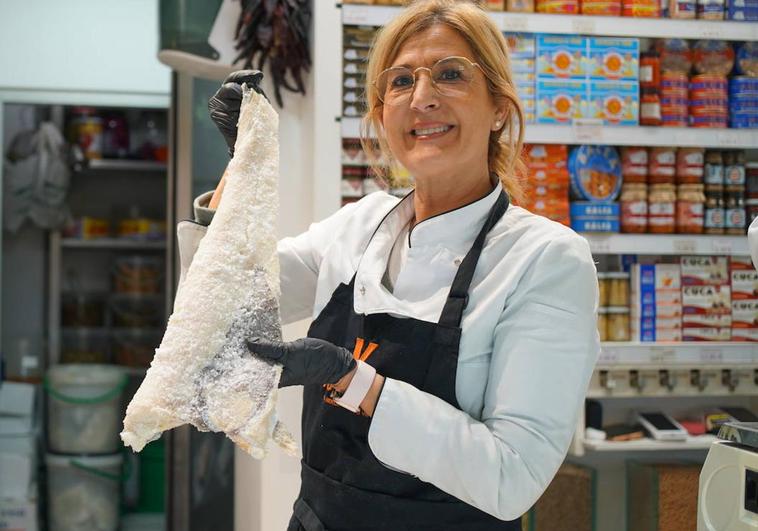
(490, 51)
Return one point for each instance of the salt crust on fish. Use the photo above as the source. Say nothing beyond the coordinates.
(202, 373)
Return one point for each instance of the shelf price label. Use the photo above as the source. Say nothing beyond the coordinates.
(599, 244)
(683, 245)
(516, 23)
(711, 355)
(608, 356)
(583, 25)
(588, 131)
(661, 354)
(722, 246)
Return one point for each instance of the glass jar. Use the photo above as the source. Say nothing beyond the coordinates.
(634, 208)
(617, 324)
(713, 222)
(662, 209)
(603, 288)
(734, 212)
(690, 209)
(713, 173)
(602, 323)
(618, 289)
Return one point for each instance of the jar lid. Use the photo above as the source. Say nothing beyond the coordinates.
(618, 275)
(620, 310)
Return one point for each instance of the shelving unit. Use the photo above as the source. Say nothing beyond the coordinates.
(124, 165)
(586, 25)
(112, 243)
(588, 133)
(699, 443)
(657, 375)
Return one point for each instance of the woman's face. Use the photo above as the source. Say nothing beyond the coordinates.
(459, 150)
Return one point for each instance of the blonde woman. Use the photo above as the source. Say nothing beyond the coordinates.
(454, 334)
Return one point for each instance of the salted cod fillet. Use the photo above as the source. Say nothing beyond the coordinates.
(202, 373)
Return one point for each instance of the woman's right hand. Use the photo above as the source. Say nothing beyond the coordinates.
(224, 106)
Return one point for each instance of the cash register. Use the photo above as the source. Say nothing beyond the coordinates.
(728, 492)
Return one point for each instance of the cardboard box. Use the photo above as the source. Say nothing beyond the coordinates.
(699, 320)
(521, 45)
(18, 515)
(745, 334)
(613, 58)
(668, 334)
(614, 102)
(706, 300)
(561, 101)
(744, 284)
(705, 270)
(706, 334)
(745, 313)
(665, 311)
(744, 263)
(561, 56)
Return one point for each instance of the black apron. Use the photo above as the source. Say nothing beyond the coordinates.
(344, 487)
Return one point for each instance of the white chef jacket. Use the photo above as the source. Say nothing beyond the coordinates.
(528, 346)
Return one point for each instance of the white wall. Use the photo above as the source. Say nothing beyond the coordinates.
(81, 45)
(309, 190)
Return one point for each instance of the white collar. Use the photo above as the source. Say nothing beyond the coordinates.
(454, 230)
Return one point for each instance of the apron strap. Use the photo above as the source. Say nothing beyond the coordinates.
(457, 299)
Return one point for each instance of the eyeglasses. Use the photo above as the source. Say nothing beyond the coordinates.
(451, 76)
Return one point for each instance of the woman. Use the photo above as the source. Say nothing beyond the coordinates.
(472, 321)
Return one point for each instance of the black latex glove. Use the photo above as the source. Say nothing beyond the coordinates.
(224, 106)
(305, 361)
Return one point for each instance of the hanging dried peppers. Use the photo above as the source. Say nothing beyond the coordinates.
(276, 31)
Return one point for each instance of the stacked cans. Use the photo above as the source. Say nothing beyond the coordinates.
(548, 193)
(742, 10)
(709, 101)
(641, 8)
(563, 7)
(601, 7)
(674, 99)
(743, 102)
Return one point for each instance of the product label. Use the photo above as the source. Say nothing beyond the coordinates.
(704, 270)
(734, 175)
(714, 174)
(714, 218)
(706, 300)
(744, 284)
(734, 218)
(662, 209)
(745, 313)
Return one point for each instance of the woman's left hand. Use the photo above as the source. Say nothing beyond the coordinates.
(305, 361)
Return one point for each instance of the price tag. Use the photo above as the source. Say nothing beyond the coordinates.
(682, 246)
(727, 139)
(658, 354)
(608, 356)
(599, 244)
(722, 246)
(710, 30)
(583, 25)
(514, 23)
(710, 355)
(588, 131)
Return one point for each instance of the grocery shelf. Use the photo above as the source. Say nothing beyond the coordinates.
(668, 354)
(619, 135)
(700, 442)
(123, 165)
(112, 243)
(581, 24)
(667, 244)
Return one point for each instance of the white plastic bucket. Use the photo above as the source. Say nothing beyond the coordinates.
(84, 408)
(83, 492)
